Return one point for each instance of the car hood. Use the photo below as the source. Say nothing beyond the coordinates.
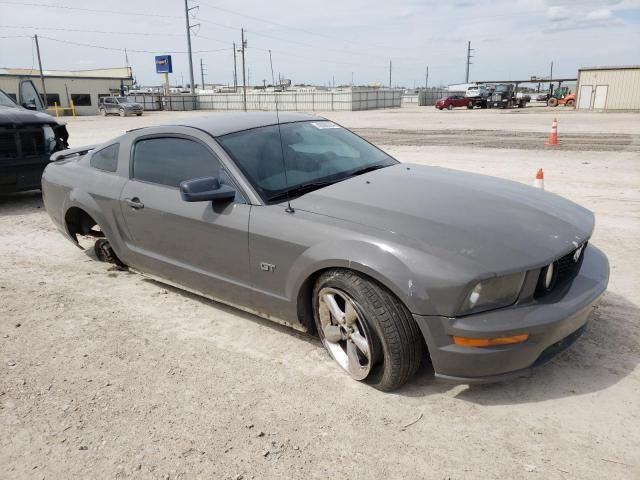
(22, 116)
(495, 225)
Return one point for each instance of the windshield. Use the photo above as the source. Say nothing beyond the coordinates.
(5, 100)
(316, 153)
(123, 100)
(502, 88)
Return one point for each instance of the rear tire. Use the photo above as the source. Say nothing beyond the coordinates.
(570, 103)
(470, 105)
(450, 107)
(553, 102)
(391, 350)
(122, 112)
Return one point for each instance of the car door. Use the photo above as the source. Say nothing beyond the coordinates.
(29, 97)
(111, 105)
(202, 246)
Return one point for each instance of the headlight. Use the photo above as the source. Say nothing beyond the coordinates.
(50, 139)
(547, 278)
(493, 293)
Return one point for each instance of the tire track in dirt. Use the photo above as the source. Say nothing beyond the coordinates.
(501, 139)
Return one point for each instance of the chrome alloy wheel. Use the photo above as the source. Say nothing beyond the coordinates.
(343, 332)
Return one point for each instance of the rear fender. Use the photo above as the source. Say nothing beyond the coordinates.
(106, 220)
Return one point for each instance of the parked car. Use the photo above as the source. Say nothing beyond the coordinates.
(28, 136)
(451, 102)
(122, 106)
(301, 221)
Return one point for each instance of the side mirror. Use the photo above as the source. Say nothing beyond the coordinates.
(31, 105)
(206, 189)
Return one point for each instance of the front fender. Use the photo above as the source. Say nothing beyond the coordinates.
(378, 261)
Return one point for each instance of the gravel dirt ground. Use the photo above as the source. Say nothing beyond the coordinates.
(104, 374)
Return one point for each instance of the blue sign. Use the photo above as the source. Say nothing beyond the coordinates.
(163, 64)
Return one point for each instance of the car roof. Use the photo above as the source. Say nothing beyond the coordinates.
(224, 123)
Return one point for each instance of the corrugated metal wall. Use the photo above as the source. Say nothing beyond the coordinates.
(318, 101)
(432, 95)
(623, 88)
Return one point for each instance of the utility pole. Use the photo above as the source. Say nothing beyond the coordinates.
(426, 79)
(44, 90)
(244, 74)
(235, 70)
(551, 78)
(469, 57)
(389, 73)
(202, 73)
(189, 27)
(351, 79)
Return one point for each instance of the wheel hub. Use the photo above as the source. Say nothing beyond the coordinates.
(343, 332)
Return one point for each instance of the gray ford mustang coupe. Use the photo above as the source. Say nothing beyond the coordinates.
(305, 223)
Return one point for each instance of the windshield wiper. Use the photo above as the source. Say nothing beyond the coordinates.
(300, 190)
(367, 169)
(310, 187)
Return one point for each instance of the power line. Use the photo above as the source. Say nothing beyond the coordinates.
(204, 20)
(308, 32)
(128, 49)
(81, 9)
(33, 27)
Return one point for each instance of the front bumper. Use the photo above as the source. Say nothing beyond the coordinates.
(552, 327)
(22, 174)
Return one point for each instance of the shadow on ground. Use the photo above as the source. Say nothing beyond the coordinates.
(25, 202)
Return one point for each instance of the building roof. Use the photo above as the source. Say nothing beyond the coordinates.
(615, 67)
(123, 73)
(225, 123)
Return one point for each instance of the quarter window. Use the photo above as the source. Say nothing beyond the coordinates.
(106, 159)
(170, 160)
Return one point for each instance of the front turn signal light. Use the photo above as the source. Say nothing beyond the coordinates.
(490, 342)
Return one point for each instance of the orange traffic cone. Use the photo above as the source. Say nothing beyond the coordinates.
(553, 136)
(539, 181)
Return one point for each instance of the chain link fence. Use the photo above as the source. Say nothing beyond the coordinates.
(430, 96)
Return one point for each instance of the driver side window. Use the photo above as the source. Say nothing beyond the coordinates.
(171, 160)
(29, 96)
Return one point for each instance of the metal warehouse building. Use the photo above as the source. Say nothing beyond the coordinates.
(83, 87)
(609, 88)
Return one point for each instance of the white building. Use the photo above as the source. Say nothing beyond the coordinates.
(83, 87)
(609, 88)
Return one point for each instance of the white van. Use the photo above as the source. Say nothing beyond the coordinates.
(475, 91)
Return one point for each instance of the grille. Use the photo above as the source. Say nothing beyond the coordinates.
(566, 270)
(22, 143)
(8, 145)
(32, 142)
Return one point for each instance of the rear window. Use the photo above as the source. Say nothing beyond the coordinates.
(106, 159)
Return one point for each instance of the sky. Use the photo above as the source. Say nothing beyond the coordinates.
(326, 41)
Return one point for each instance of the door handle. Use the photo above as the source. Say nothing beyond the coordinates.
(134, 203)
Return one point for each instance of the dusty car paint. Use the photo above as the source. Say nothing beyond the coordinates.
(427, 234)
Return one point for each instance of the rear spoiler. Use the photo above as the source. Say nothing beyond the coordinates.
(70, 152)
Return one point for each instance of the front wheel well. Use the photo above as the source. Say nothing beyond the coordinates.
(305, 296)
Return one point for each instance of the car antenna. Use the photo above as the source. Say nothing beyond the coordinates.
(284, 163)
